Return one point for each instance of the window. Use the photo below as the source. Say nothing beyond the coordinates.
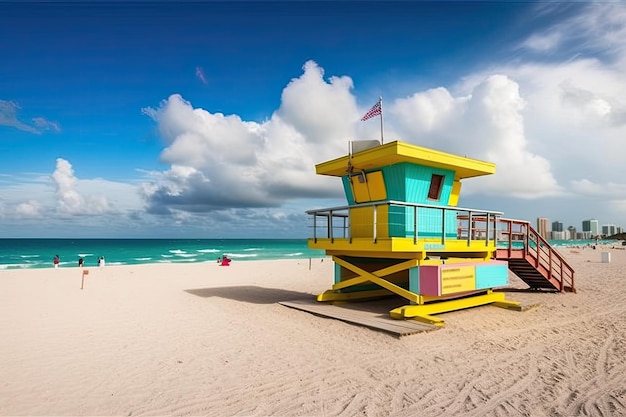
(436, 183)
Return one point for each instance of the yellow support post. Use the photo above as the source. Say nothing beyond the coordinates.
(423, 311)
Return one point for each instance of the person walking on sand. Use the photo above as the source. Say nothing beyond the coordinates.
(56, 261)
(80, 262)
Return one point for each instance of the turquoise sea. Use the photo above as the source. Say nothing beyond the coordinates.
(38, 253)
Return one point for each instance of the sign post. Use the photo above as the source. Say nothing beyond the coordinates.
(82, 281)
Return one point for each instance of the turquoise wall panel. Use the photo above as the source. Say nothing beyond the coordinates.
(347, 190)
(429, 222)
(492, 274)
(397, 221)
(394, 181)
(451, 225)
(417, 180)
(337, 273)
(414, 280)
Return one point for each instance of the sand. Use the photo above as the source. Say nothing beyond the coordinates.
(200, 339)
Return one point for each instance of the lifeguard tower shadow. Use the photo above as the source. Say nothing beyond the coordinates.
(372, 314)
(250, 294)
(403, 234)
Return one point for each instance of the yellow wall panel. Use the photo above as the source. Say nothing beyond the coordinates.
(457, 279)
(454, 194)
(361, 221)
(360, 191)
(368, 187)
(362, 218)
(376, 185)
(382, 225)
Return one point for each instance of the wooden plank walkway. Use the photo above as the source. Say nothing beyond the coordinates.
(373, 315)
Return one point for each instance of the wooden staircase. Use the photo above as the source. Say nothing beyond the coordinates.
(532, 258)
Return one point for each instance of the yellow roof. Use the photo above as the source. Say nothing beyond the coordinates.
(395, 152)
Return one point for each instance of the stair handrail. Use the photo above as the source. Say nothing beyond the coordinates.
(543, 247)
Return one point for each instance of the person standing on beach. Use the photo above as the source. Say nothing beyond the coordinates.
(80, 262)
(56, 261)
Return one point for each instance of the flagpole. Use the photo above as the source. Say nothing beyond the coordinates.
(380, 100)
(376, 110)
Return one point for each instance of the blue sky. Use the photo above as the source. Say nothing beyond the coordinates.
(206, 119)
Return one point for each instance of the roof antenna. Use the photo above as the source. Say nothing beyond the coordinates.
(350, 166)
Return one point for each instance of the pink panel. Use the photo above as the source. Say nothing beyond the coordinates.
(429, 280)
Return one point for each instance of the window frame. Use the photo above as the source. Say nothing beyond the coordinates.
(436, 186)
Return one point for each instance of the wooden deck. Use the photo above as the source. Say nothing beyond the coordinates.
(370, 314)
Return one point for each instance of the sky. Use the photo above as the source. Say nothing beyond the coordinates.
(206, 119)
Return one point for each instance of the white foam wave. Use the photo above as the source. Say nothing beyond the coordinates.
(14, 266)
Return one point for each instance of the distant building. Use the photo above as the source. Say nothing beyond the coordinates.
(591, 225)
(609, 229)
(542, 227)
(572, 232)
(557, 226)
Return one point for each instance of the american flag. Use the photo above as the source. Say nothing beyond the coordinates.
(374, 111)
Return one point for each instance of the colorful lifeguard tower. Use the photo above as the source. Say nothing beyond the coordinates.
(402, 234)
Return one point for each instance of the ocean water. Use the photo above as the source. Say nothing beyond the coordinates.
(38, 253)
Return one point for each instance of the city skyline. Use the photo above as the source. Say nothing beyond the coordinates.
(590, 228)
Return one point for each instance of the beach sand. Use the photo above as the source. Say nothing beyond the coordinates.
(200, 339)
